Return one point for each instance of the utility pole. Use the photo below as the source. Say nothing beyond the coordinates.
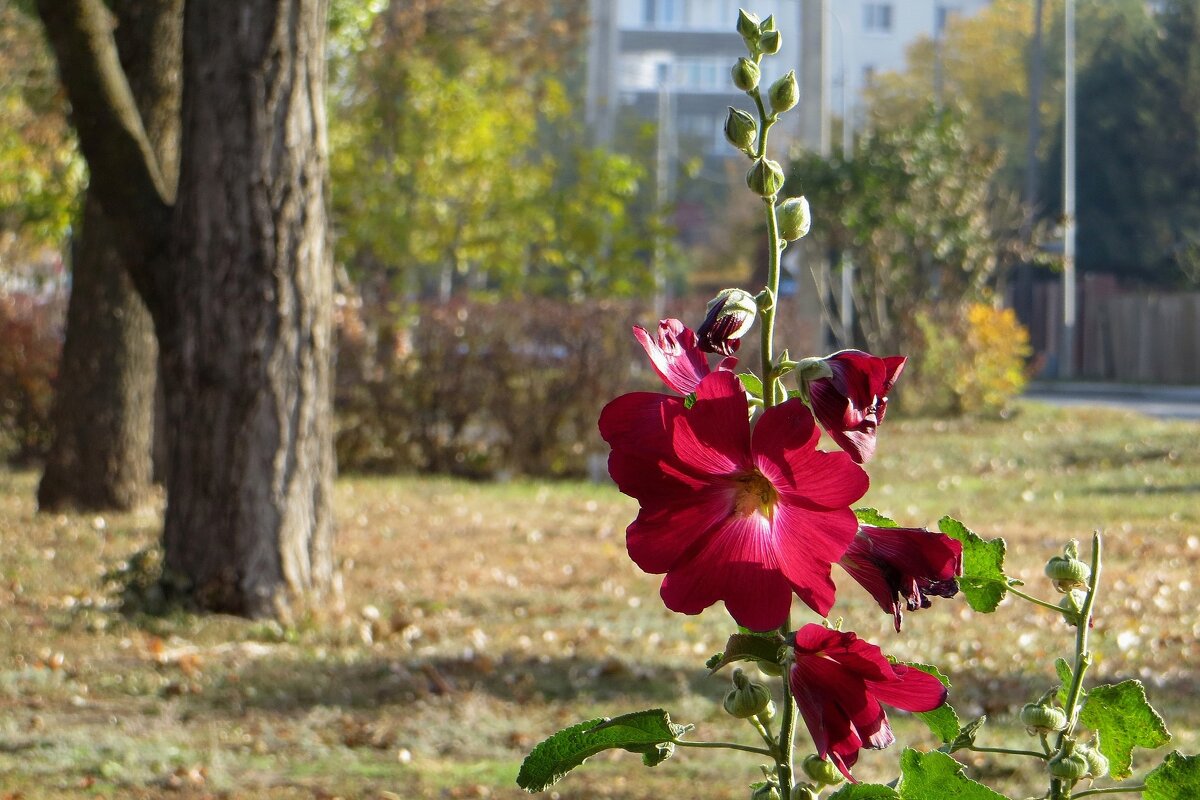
(1023, 291)
(1066, 366)
(664, 181)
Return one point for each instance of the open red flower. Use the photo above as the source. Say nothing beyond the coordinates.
(851, 401)
(839, 681)
(676, 356)
(727, 515)
(903, 567)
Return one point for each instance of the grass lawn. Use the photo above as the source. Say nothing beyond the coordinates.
(477, 619)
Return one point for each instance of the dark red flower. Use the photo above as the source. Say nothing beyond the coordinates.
(839, 681)
(730, 316)
(727, 515)
(851, 401)
(904, 566)
(675, 355)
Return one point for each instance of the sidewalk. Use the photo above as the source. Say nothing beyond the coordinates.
(1167, 402)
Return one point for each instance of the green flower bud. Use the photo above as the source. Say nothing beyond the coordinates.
(764, 790)
(769, 668)
(740, 129)
(822, 771)
(1039, 719)
(795, 218)
(767, 24)
(747, 26)
(745, 74)
(1068, 765)
(765, 178)
(805, 792)
(1097, 763)
(1072, 603)
(784, 93)
(1068, 573)
(748, 699)
(770, 42)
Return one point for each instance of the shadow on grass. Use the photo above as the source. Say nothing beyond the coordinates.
(1191, 488)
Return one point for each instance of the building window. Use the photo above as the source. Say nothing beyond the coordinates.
(868, 74)
(662, 13)
(877, 17)
(941, 16)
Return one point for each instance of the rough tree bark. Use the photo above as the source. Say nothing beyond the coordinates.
(239, 283)
(103, 413)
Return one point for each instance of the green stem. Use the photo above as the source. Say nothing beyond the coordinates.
(1036, 601)
(1141, 787)
(1009, 751)
(787, 732)
(766, 735)
(767, 321)
(727, 746)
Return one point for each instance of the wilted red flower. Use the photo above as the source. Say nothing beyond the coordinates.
(839, 681)
(676, 357)
(727, 515)
(851, 401)
(904, 566)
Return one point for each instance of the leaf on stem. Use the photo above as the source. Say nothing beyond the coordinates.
(942, 721)
(966, 736)
(1178, 776)
(870, 516)
(983, 581)
(646, 732)
(865, 791)
(1124, 719)
(752, 383)
(1065, 676)
(937, 776)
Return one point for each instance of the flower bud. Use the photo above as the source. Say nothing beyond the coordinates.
(730, 316)
(1068, 765)
(765, 791)
(748, 26)
(1068, 573)
(747, 699)
(765, 178)
(745, 74)
(1072, 603)
(1096, 761)
(770, 42)
(804, 792)
(767, 24)
(784, 93)
(795, 218)
(822, 771)
(1039, 719)
(740, 129)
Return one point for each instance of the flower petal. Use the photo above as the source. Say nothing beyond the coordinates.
(665, 530)
(736, 564)
(808, 542)
(674, 355)
(911, 689)
(785, 451)
(714, 434)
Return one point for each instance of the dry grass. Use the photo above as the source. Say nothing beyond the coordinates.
(479, 618)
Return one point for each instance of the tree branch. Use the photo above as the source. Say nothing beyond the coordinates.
(126, 177)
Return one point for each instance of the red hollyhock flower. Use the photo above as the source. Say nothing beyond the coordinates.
(676, 357)
(904, 566)
(730, 316)
(851, 402)
(747, 519)
(839, 681)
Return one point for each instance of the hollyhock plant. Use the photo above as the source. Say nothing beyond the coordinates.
(675, 356)
(839, 681)
(851, 398)
(903, 567)
(727, 514)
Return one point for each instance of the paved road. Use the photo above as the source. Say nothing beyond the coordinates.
(1167, 402)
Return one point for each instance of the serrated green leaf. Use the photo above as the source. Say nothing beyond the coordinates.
(966, 736)
(865, 791)
(943, 720)
(1176, 777)
(645, 732)
(1124, 719)
(1065, 678)
(983, 582)
(750, 647)
(752, 384)
(870, 516)
(937, 776)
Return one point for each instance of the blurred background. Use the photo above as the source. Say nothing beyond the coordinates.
(1006, 191)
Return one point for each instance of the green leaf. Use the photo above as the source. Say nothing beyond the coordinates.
(646, 732)
(1178, 776)
(1065, 677)
(865, 791)
(752, 383)
(869, 516)
(937, 776)
(1124, 720)
(966, 736)
(983, 581)
(943, 720)
(749, 647)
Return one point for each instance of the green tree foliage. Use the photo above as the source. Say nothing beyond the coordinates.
(42, 172)
(457, 161)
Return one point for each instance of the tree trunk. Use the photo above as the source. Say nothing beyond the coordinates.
(103, 413)
(245, 327)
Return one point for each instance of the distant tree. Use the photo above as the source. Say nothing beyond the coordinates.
(103, 416)
(235, 271)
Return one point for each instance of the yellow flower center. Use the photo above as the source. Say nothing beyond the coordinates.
(755, 494)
